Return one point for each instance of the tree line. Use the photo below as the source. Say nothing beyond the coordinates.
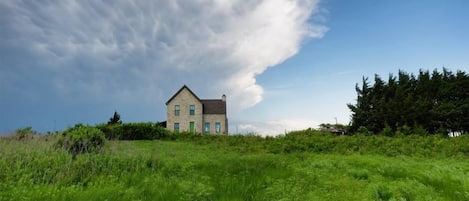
(430, 102)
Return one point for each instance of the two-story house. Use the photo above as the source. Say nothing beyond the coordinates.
(187, 112)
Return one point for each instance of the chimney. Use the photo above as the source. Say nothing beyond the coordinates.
(223, 98)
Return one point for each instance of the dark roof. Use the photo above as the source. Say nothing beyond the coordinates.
(214, 106)
(210, 106)
(180, 92)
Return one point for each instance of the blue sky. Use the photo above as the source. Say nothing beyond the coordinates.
(283, 64)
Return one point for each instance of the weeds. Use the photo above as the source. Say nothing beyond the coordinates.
(194, 167)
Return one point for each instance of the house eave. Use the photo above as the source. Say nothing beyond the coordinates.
(179, 91)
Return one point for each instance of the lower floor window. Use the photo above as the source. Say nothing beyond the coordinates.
(207, 127)
(217, 127)
(176, 126)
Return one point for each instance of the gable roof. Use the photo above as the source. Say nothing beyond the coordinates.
(214, 106)
(210, 106)
(182, 88)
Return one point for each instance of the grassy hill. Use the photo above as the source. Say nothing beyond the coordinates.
(299, 166)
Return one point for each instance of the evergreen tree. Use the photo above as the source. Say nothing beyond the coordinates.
(430, 103)
(361, 110)
(115, 119)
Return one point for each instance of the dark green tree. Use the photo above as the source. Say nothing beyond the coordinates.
(429, 102)
(115, 119)
(361, 111)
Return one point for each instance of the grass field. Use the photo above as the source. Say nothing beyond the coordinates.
(190, 170)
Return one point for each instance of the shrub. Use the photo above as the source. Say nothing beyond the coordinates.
(26, 133)
(363, 130)
(387, 131)
(134, 131)
(81, 139)
(419, 130)
(406, 130)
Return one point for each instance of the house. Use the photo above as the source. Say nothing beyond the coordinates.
(336, 129)
(187, 112)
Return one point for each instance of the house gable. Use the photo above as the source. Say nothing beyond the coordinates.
(179, 91)
(185, 110)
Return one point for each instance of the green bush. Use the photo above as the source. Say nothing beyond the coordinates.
(26, 133)
(400, 144)
(134, 131)
(419, 130)
(387, 131)
(364, 131)
(406, 130)
(81, 139)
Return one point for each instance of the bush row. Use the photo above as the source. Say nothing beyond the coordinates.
(320, 142)
(410, 145)
(134, 131)
(309, 140)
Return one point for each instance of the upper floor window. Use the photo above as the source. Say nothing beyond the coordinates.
(192, 110)
(217, 127)
(176, 110)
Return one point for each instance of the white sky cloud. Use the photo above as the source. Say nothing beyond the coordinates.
(275, 127)
(128, 49)
(78, 61)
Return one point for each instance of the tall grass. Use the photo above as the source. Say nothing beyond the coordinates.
(319, 142)
(238, 168)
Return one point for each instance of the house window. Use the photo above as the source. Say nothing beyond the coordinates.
(217, 127)
(207, 127)
(192, 110)
(176, 127)
(176, 110)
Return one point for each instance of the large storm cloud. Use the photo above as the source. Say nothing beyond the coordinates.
(142, 50)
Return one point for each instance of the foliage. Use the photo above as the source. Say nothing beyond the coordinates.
(26, 133)
(387, 131)
(408, 145)
(405, 130)
(134, 131)
(115, 119)
(81, 139)
(383, 192)
(434, 102)
(212, 167)
(363, 130)
(315, 141)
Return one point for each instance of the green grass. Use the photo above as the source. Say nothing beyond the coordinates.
(223, 170)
